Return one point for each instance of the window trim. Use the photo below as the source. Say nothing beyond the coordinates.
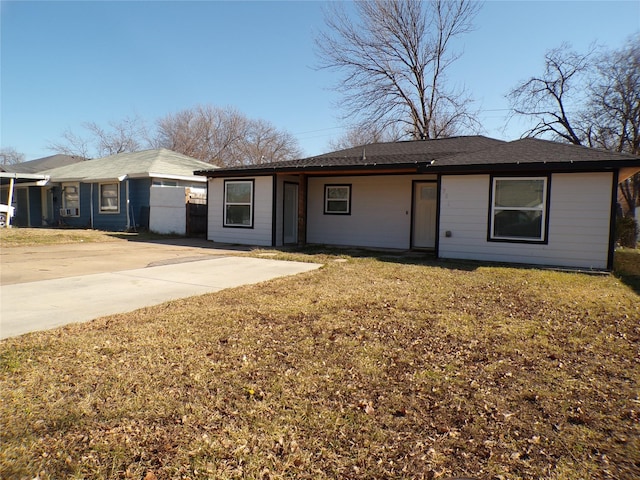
(225, 203)
(326, 198)
(546, 196)
(65, 207)
(108, 211)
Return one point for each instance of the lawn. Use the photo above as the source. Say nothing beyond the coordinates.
(370, 367)
(22, 237)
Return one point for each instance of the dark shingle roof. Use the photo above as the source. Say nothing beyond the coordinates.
(534, 150)
(473, 153)
(429, 148)
(378, 154)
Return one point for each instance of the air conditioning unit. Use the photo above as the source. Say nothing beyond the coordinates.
(67, 212)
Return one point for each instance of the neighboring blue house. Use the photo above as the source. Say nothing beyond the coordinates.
(110, 193)
(19, 185)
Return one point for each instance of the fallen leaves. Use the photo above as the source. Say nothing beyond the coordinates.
(432, 372)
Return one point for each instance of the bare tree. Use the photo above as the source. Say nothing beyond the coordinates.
(546, 98)
(614, 108)
(224, 137)
(127, 135)
(363, 135)
(204, 132)
(10, 156)
(394, 62)
(264, 143)
(72, 144)
(588, 99)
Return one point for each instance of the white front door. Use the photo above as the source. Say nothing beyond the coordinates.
(425, 202)
(290, 215)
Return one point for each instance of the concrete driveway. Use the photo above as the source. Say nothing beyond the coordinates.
(48, 286)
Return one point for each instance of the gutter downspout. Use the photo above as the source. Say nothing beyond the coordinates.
(122, 178)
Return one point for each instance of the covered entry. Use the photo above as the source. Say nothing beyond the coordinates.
(290, 214)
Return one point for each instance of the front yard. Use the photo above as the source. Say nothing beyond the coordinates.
(367, 368)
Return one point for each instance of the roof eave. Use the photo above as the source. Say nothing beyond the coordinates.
(188, 178)
(592, 166)
(310, 170)
(422, 167)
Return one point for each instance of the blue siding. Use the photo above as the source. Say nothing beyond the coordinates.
(114, 222)
(84, 220)
(35, 206)
(139, 194)
(139, 199)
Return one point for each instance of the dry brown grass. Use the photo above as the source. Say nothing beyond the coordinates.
(365, 368)
(627, 266)
(22, 237)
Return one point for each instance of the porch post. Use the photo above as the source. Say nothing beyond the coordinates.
(9, 201)
(302, 210)
(127, 197)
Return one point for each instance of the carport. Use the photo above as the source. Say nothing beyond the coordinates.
(8, 182)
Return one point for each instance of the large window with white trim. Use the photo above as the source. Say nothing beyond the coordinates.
(519, 209)
(110, 197)
(238, 203)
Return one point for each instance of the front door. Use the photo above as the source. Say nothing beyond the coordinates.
(290, 219)
(425, 202)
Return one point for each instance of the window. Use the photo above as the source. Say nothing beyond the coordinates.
(165, 183)
(519, 209)
(109, 197)
(70, 200)
(337, 199)
(238, 203)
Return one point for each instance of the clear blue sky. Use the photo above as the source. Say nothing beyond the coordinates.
(65, 63)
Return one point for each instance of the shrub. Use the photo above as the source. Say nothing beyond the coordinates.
(627, 232)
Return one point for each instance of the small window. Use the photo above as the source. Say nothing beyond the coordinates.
(109, 197)
(165, 183)
(519, 209)
(238, 203)
(70, 200)
(337, 199)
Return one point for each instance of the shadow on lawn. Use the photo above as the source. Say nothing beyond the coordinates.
(626, 261)
(393, 256)
(199, 242)
(626, 266)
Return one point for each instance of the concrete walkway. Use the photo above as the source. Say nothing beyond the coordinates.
(45, 304)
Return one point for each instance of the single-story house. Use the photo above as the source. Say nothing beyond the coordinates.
(528, 201)
(109, 193)
(15, 181)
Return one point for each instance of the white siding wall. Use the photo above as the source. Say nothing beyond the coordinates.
(168, 210)
(380, 212)
(260, 234)
(579, 217)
